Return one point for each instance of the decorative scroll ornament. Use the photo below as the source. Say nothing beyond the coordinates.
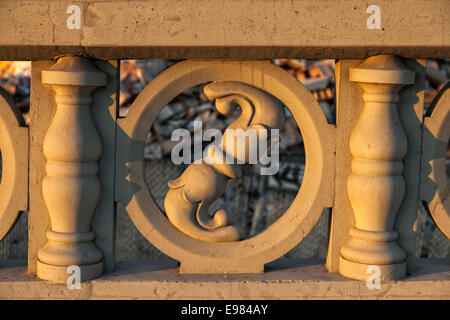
(435, 189)
(14, 164)
(188, 200)
(252, 86)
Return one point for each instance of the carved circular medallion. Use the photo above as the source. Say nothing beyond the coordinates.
(435, 184)
(249, 255)
(14, 152)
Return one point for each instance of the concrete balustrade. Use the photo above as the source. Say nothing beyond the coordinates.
(369, 166)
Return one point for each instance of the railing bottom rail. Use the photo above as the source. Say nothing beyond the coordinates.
(283, 279)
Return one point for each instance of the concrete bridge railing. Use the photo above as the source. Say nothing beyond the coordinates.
(371, 166)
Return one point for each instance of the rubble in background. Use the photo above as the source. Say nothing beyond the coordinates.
(15, 80)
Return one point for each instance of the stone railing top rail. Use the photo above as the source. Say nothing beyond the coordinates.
(244, 29)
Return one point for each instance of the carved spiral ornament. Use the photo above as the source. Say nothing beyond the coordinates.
(204, 243)
(188, 201)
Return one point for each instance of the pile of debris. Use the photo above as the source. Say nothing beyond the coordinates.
(15, 80)
(317, 76)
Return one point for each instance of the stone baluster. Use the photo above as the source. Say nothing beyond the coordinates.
(71, 188)
(376, 186)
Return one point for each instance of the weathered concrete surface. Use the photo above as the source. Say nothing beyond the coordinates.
(37, 30)
(283, 279)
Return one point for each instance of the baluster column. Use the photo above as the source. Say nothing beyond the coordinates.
(71, 188)
(376, 186)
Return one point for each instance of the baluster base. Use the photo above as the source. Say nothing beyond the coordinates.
(360, 271)
(370, 248)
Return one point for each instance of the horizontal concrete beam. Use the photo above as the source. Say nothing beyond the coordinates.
(283, 279)
(226, 29)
